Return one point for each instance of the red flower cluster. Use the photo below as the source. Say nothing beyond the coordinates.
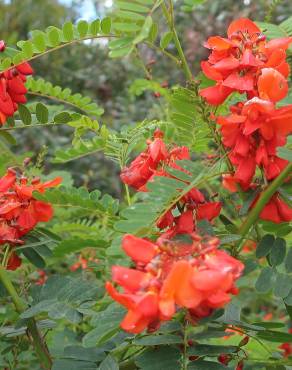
(19, 210)
(254, 129)
(12, 88)
(246, 62)
(154, 162)
(171, 275)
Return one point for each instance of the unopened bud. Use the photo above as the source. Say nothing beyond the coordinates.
(2, 45)
(224, 359)
(244, 341)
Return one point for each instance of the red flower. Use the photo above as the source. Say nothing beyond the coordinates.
(195, 276)
(208, 210)
(12, 88)
(253, 131)
(245, 62)
(19, 210)
(276, 210)
(142, 168)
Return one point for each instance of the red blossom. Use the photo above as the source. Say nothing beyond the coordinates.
(195, 276)
(12, 88)
(20, 212)
(276, 210)
(246, 62)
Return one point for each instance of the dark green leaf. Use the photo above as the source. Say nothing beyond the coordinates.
(155, 340)
(278, 252)
(283, 285)
(24, 114)
(210, 350)
(34, 257)
(264, 246)
(42, 113)
(264, 281)
(160, 358)
(109, 363)
(288, 261)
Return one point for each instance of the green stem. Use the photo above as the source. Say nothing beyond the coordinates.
(253, 215)
(20, 306)
(170, 20)
(128, 195)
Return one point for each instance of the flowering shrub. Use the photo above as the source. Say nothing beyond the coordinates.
(188, 268)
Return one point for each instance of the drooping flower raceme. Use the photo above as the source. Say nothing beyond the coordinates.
(20, 212)
(12, 88)
(169, 275)
(252, 132)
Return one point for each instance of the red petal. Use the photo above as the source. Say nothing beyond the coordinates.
(13, 262)
(8, 180)
(140, 250)
(210, 72)
(240, 83)
(43, 211)
(243, 25)
(25, 68)
(215, 95)
(129, 279)
(218, 43)
(17, 86)
(272, 85)
(208, 210)
(185, 223)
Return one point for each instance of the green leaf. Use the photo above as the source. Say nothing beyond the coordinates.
(24, 114)
(126, 27)
(54, 37)
(106, 25)
(42, 113)
(166, 39)
(278, 252)
(106, 325)
(68, 31)
(264, 281)
(288, 299)
(34, 257)
(132, 7)
(288, 261)
(27, 49)
(76, 245)
(63, 117)
(160, 358)
(64, 364)
(210, 350)
(283, 285)
(275, 336)
(62, 297)
(205, 365)
(264, 246)
(8, 137)
(156, 340)
(94, 27)
(77, 352)
(143, 34)
(82, 28)
(109, 363)
(39, 41)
